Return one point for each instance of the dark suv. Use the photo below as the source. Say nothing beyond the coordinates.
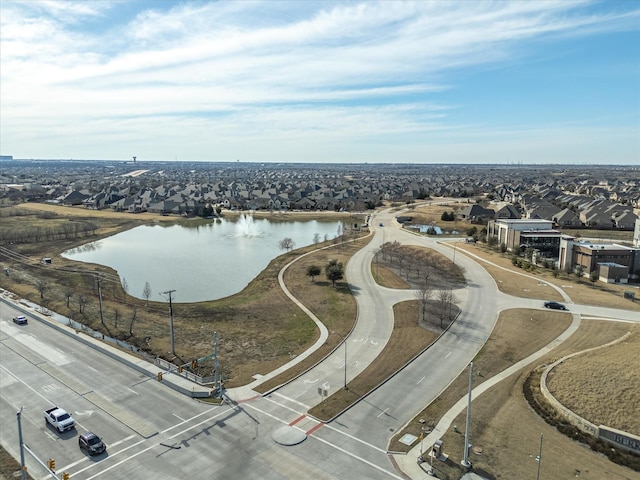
(92, 443)
(555, 305)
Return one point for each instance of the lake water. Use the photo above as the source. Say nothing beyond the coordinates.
(204, 262)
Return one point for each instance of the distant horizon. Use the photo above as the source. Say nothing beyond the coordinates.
(475, 164)
(361, 82)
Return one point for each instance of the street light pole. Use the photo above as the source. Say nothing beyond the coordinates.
(23, 467)
(539, 457)
(344, 341)
(465, 462)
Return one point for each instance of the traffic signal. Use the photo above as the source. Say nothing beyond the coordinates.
(194, 364)
(52, 464)
(65, 476)
(159, 376)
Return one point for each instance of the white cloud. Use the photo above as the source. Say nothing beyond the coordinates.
(303, 70)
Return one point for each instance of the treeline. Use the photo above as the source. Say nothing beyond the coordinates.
(29, 234)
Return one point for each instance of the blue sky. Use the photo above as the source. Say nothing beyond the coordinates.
(332, 82)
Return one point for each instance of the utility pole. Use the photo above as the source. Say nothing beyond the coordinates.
(466, 463)
(170, 292)
(23, 467)
(100, 298)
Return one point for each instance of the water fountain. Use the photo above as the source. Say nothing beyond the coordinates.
(246, 227)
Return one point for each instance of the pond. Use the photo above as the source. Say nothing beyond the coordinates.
(207, 261)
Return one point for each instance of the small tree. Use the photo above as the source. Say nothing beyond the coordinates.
(334, 271)
(313, 271)
(68, 293)
(316, 238)
(286, 244)
(424, 297)
(593, 276)
(579, 271)
(82, 303)
(43, 287)
(146, 292)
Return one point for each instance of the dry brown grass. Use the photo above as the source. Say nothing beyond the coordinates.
(587, 383)
(600, 294)
(508, 431)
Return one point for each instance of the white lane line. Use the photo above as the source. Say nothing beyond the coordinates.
(179, 417)
(447, 355)
(382, 412)
(290, 400)
(132, 390)
(106, 469)
(420, 381)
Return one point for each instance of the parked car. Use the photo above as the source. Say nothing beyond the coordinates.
(555, 306)
(92, 443)
(20, 320)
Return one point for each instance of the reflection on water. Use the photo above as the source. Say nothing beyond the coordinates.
(201, 262)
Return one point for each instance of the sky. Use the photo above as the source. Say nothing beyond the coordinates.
(523, 82)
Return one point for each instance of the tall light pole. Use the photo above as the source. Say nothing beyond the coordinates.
(466, 463)
(344, 341)
(23, 467)
(170, 292)
(539, 457)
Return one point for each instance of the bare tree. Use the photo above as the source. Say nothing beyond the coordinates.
(316, 238)
(424, 297)
(68, 293)
(146, 292)
(42, 286)
(82, 303)
(286, 244)
(445, 301)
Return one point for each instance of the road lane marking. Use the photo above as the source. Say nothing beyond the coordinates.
(293, 400)
(106, 469)
(447, 355)
(384, 412)
(179, 417)
(420, 381)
